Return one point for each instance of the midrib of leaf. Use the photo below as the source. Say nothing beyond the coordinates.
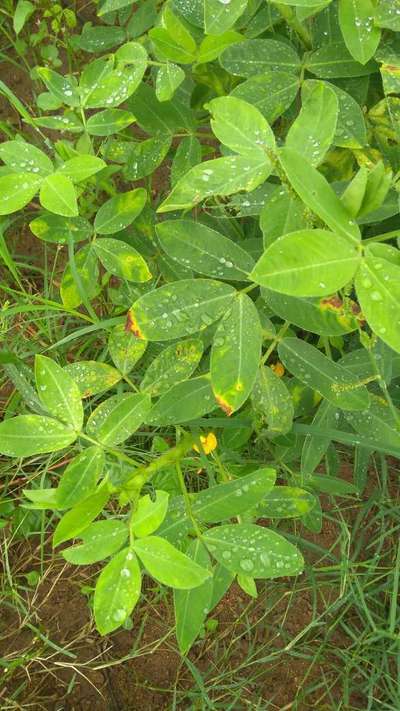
(120, 422)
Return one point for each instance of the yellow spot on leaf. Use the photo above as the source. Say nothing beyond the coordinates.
(132, 325)
(278, 369)
(224, 405)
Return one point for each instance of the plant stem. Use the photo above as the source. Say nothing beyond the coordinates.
(291, 19)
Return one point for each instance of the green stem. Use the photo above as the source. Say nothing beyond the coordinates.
(383, 237)
(275, 342)
(175, 454)
(289, 15)
(188, 504)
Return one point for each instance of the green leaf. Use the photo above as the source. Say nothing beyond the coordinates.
(100, 540)
(184, 402)
(356, 19)
(22, 157)
(212, 46)
(191, 606)
(120, 211)
(387, 15)
(186, 156)
(253, 550)
(149, 514)
(117, 591)
(66, 122)
(160, 118)
(169, 566)
(100, 39)
(22, 13)
(315, 446)
(54, 228)
(377, 423)
(169, 77)
(222, 176)
(271, 93)
(80, 477)
(378, 289)
(235, 354)
(350, 129)
(220, 503)
(125, 349)
(313, 368)
(281, 213)
(112, 6)
(58, 392)
(240, 126)
(169, 47)
(16, 190)
(117, 418)
(122, 260)
(313, 130)
(286, 502)
(25, 435)
(63, 88)
(81, 167)
(179, 309)
(145, 156)
(102, 85)
(307, 263)
(220, 17)
(174, 364)
(257, 56)
(327, 317)
(57, 194)
(316, 192)
(87, 270)
(204, 250)
(80, 516)
(248, 585)
(109, 121)
(333, 61)
(92, 377)
(272, 401)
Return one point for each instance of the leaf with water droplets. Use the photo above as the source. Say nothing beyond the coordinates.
(272, 401)
(286, 502)
(121, 259)
(257, 56)
(99, 540)
(179, 309)
(16, 190)
(378, 423)
(80, 516)
(22, 157)
(204, 250)
(184, 402)
(149, 514)
(334, 61)
(331, 380)
(109, 121)
(54, 228)
(168, 565)
(235, 354)
(80, 477)
(125, 349)
(220, 503)
(241, 126)
(58, 392)
(222, 176)
(92, 377)
(192, 606)
(117, 418)
(63, 88)
(173, 365)
(378, 289)
(357, 23)
(327, 316)
(117, 591)
(169, 77)
(253, 550)
(25, 435)
(57, 194)
(221, 15)
(313, 130)
(120, 211)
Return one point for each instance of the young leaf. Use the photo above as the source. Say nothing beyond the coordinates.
(313, 368)
(257, 56)
(120, 211)
(204, 250)
(272, 401)
(80, 477)
(313, 130)
(121, 259)
(253, 550)
(22, 157)
(240, 126)
(81, 167)
(57, 194)
(117, 418)
(125, 349)
(25, 435)
(16, 190)
(58, 392)
(191, 606)
(149, 514)
(99, 540)
(235, 354)
(378, 289)
(307, 263)
(108, 122)
(174, 364)
(316, 192)
(184, 402)
(179, 309)
(62, 87)
(92, 377)
(80, 516)
(222, 176)
(168, 565)
(286, 502)
(360, 34)
(117, 591)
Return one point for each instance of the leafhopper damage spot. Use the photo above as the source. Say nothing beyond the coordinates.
(224, 405)
(131, 326)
